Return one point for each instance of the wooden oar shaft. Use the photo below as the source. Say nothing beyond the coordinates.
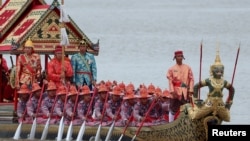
(147, 113)
(200, 70)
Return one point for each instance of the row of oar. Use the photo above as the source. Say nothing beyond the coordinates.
(83, 126)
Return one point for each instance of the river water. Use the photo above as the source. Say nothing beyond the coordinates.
(138, 39)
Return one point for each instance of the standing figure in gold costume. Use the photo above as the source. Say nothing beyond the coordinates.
(214, 103)
(28, 67)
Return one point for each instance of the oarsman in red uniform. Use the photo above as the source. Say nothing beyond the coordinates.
(100, 106)
(69, 109)
(48, 103)
(165, 100)
(84, 105)
(151, 89)
(141, 108)
(114, 104)
(24, 94)
(28, 66)
(59, 106)
(59, 72)
(181, 83)
(127, 108)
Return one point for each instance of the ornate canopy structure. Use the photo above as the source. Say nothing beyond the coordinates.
(34, 19)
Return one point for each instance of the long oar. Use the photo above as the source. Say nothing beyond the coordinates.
(33, 128)
(19, 128)
(113, 123)
(61, 124)
(142, 122)
(46, 127)
(98, 133)
(124, 130)
(70, 129)
(82, 129)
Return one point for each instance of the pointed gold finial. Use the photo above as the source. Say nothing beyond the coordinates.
(29, 43)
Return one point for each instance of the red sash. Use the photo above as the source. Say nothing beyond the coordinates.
(28, 66)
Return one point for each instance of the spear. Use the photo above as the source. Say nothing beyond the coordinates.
(200, 70)
(235, 65)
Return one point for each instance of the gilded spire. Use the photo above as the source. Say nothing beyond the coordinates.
(29, 43)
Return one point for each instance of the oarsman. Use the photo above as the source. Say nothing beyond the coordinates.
(70, 114)
(28, 66)
(122, 86)
(141, 108)
(59, 72)
(151, 89)
(109, 85)
(84, 105)
(84, 67)
(114, 105)
(165, 100)
(100, 106)
(59, 106)
(33, 103)
(130, 87)
(48, 102)
(23, 94)
(181, 83)
(127, 109)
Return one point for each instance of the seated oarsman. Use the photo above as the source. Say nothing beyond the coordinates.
(83, 106)
(130, 87)
(127, 109)
(122, 86)
(114, 105)
(165, 100)
(70, 106)
(151, 89)
(23, 94)
(48, 103)
(99, 115)
(141, 109)
(59, 106)
(34, 102)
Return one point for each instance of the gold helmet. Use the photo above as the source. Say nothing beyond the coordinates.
(29, 43)
(217, 63)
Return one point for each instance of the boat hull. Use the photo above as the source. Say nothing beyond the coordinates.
(183, 128)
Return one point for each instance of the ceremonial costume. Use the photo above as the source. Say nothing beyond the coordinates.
(24, 94)
(181, 82)
(84, 105)
(28, 66)
(4, 81)
(114, 105)
(84, 67)
(55, 68)
(48, 103)
(214, 103)
(59, 106)
(70, 107)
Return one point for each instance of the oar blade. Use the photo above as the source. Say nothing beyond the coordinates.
(120, 137)
(33, 130)
(70, 131)
(60, 130)
(81, 132)
(110, 131)
(18, 132)
(133, 138)
(98, 133)
(45, 130)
